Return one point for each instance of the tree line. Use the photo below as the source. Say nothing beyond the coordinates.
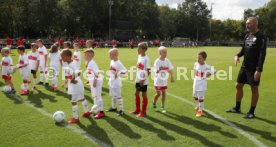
(134, 18)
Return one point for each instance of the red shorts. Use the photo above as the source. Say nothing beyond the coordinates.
(160, 88)
(5, 77)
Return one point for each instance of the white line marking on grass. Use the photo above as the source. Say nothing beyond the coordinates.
(72, 128)
(220, 118)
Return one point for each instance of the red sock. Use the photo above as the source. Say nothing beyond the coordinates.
(145, 103)
(138, 109)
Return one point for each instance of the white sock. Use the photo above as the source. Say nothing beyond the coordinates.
(100, 103)
(114, 99)
(75, 111)
(46, 78)
(201, 106)
(85, 106)
(120, 103)
(55, 81)
(35, 82)
(41, 77)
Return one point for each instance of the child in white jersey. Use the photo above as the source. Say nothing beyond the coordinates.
(42, 62)
(141, 82)
(77, 55)
(162, 66)
(115, 83)
(55, 61)
(23, 66)
(7, 64)
(202, 72)
(33, 57)
(75, 86)
(95, 81)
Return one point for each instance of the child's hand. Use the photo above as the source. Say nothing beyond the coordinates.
(142, 83)
(74, 81)
(95, 83)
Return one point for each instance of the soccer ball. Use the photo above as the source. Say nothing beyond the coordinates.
(59, 116)
(6, 89)
(95, 109)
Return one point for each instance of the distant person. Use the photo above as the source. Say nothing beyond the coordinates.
(9, 42)
(254, 52)
(43, 62)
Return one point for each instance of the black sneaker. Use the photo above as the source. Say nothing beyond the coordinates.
(120, 113)
(112, 110)
(233, 110)
(40, 83)
(249, 116)
(154, 106)
(12, 91)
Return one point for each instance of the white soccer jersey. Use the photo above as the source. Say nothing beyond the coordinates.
(33, 58)
(6, 63)
(200, 79)
(71, 71)
(77, 58)
(143, 64)
(92, 69)
(23, 60)
(42, 52)
(116, 67)
(161, 68)
(54, 59)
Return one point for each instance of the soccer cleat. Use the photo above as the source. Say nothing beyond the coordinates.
(112, 110)
(120, 113)
(12, 91)
(141, 114)
(34, 88)
(40, 83)
(73, 120)
(86, 114)
(233, 110)
(46, 84)
(99, 115)
(199, 114)
(196, 108)
(154, 106)
(24, 92)
(55, 88)
(135, 112)
(249, 116)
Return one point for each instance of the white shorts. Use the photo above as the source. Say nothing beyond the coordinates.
(115, 92)
(199, 94)
(77, 97)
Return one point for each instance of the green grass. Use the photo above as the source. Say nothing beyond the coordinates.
(24, 126)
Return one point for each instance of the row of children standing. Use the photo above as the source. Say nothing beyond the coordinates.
(36, 60)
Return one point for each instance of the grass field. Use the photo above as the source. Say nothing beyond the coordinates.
(27, 122)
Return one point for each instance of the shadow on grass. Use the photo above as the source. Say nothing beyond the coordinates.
(149, 127)
(97, 132)
(122, 128)
(198, 124)
(264, 134)
(184, 132)
(35, 98)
